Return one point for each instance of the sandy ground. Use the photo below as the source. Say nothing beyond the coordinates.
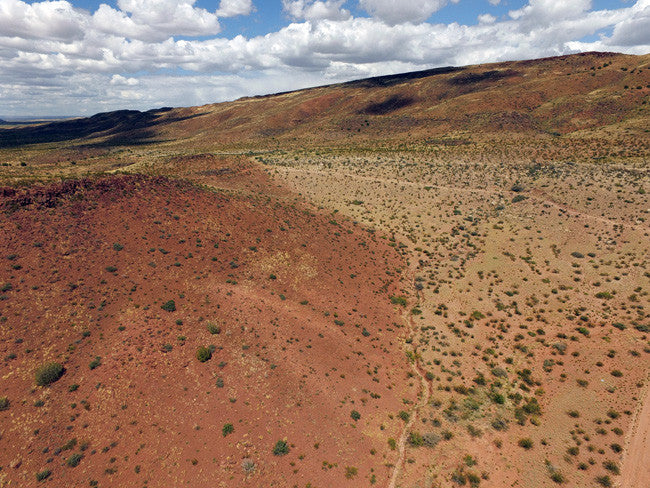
(636, 462)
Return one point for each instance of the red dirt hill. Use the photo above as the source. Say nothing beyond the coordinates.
(294, 306)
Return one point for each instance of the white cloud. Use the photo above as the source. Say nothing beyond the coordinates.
(397, 12)
(316, 9)
(155, 20)
(486, 19)
(546, 11)
(121, 80)
(231, 8)
(57, 20)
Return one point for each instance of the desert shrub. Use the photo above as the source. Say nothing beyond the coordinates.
(350, 472)
(281, 448)
(611, 466)
(604, 481)
(169, 306)
(498, 398)
(117, 246)
(248, 466)
(405, 416)
(519, 198)
(74, 460)
(355, 415)
(526, 443)
(500, 424)
(398, 300)
(48, 373)
(616, 448)
(4, 403)
(43, 475)
(558, 477)
(416, 439)
(430, 439)
(213, 329)
(95, 363)
(616, 373)
(605, 295)
(203, 354)
(392, 443)
(577, 255)
(227, 429)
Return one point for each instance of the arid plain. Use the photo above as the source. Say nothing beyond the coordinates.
(434, 279)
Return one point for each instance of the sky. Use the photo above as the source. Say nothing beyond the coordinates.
(80, 57)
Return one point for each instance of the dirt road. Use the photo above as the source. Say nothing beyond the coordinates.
(636, 460)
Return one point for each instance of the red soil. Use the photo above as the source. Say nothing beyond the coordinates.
(308, 334)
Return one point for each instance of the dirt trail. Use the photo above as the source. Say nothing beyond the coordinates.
(636, 459)
(424, 400)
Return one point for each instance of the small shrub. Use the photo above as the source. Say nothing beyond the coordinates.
(350, 472)
(48, 373)
(203, 354)
(95, 363)
(281, 448)
(405, 416)
(611, 466)
(398, 300)
(169, 306)
(526, 443)
(392, 443)
(604, 481)
(558, 477)
(43, 475)
(213, 329)
(355, 415)
(416, 439)
(74, 460)
(227, 429)
(4, 403)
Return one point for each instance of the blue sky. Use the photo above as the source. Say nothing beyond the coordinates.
(77, 57)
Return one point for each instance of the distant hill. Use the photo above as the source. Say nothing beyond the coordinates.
(553, 96)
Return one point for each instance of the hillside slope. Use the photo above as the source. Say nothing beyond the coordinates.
(293, 305)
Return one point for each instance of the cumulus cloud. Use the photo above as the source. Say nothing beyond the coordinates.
(231, 8)
(57, 20)
(393, 12)
(155, 20)
(316, 9)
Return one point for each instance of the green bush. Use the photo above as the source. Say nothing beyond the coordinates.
(169, 306)
(203, 354)
(416, 439)
(74, 460)
(398, 300)
(48, 373)
(526, 443)
(4, 403)
(43, 475)
(227, 429)
(281, 448)
(355, 415)
(213, 329)
(95, 362)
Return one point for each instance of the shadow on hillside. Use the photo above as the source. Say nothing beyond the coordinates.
(122, 127)
(391, 80)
